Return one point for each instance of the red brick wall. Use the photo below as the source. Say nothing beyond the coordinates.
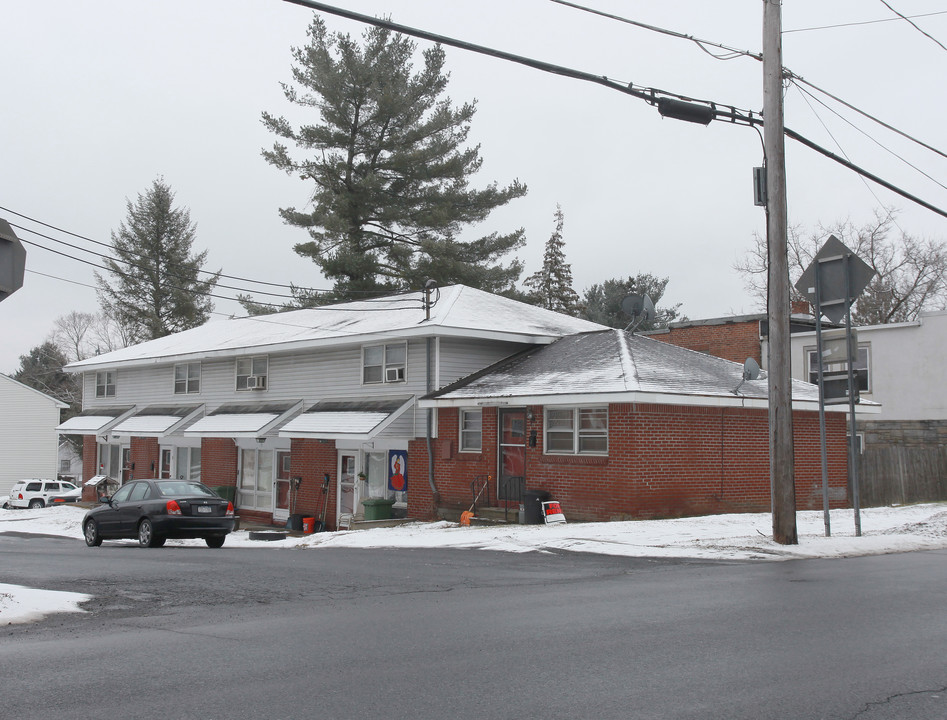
(663, 461)
(218, 462)
(311, 460)
(734, 341)
(143, 456)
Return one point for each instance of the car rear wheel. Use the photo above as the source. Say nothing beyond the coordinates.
(146, 534)
(215, 541)
(91, 533)
(36, 504)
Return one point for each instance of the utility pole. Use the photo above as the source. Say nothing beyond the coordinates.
(781, 465)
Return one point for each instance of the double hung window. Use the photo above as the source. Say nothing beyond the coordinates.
(384, 363)
(579, 430)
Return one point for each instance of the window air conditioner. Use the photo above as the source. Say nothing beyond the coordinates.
(256, 382)
(394, 374)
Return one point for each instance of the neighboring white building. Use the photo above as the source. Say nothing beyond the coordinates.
(904, 446)
(29, 441)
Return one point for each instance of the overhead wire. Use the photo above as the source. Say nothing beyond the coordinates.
(914, 25)
(862, 22)
(719, 111)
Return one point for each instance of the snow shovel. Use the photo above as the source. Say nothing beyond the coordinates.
(320, 524)
(467, 515)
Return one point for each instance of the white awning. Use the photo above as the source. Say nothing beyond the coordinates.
(346, 420)
(235, 421)
(94, 422)
(158, 421)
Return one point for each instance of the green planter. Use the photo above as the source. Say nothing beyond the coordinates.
(378, 508)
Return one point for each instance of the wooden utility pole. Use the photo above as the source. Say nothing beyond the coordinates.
(781, 466)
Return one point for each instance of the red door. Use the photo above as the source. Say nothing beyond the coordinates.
(511, 477)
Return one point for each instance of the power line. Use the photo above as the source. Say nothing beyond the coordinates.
(650, 95)
(884, 147)
(863, 22)
(136, 265)
(914, 25)
(734, 52)
(100, 243)
(800, 79)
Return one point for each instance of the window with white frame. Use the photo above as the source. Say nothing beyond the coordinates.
(255, 483)
(384, 363)
(862, 367)
(578, 430)
(187, 378)
(471, 430)
(252, 373)
(105, 384)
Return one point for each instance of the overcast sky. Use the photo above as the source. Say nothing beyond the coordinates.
(101, 97)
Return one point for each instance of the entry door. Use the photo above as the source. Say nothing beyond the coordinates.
(348, 485)
(511, 476)
(283, 490)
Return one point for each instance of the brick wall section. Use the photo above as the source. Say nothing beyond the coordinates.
(90, 466)
(218, 462)
(311, 460)
(663, 461)
(143, 456)
(734, 341)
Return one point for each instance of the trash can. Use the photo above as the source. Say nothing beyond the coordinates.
(378, 508)
(295, 522)
(533, 508)
(227, 492)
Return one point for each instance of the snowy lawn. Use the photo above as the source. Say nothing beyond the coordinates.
(718, 537)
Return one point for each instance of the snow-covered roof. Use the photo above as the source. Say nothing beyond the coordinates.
(346, 419)
(614, 366)
(458, 311)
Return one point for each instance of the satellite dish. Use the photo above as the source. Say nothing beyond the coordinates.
(639, 308)
(751, 371)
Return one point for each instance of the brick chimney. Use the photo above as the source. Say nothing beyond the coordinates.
(800, 307)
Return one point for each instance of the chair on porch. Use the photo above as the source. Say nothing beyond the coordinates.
(345, 521)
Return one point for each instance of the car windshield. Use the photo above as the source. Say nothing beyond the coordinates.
(183, 489)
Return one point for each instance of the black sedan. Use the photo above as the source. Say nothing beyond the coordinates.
(155, 510)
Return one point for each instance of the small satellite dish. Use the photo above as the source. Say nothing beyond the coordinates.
(751, 371)
(639, 308)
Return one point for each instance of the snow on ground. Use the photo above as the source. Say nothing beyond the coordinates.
(713, 537)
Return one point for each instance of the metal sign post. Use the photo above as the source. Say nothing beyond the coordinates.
(834, 279)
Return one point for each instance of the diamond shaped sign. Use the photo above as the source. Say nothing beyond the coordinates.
(829, 266)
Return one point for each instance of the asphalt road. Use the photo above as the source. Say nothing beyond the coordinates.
(247, 633)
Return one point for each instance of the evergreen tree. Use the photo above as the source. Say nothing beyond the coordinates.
(390, 170)
(41, 369)
(552, 285)
(601, 303)
(154, 288)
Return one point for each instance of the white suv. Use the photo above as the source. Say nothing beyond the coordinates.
(40, 493)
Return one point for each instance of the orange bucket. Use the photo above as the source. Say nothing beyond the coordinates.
(309, 525)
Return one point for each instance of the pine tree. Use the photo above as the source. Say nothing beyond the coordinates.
(601, 303)
(154, 288)
(390, 169)
(552, 285)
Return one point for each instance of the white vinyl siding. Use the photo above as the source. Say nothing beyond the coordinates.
(29, 443)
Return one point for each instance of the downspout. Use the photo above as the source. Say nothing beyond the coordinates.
(429, 341)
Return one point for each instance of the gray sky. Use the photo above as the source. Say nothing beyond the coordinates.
(101, 97)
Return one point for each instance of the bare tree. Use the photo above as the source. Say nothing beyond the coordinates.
(911, 272)
(81, 334)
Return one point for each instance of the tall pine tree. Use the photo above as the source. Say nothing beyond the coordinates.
(153, 286)
(552, 285)
(390, 168)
